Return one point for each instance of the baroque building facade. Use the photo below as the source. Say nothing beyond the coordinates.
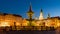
(9, 19)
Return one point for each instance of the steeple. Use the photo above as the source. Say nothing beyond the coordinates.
(41, 15)
(48, 15)
(30, 7)
(41, 10)
(30, 12)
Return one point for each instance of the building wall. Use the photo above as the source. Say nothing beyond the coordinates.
(9, 19)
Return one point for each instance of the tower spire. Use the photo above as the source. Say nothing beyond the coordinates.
(30, 12)
(41, 15)
(48, 15)
(30, 7)
(41, 10)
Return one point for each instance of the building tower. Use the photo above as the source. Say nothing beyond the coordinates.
(48, 15)
(41, 15)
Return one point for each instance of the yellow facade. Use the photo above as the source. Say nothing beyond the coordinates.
(9, 19)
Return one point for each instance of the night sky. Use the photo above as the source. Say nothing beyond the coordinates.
(20, 7)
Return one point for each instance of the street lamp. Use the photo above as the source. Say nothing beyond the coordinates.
(30, 14)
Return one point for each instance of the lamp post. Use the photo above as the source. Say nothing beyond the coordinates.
(30, 14)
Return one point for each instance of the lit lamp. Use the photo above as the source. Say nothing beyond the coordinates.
(30, 14)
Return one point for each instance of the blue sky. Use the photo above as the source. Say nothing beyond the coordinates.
(20, 7)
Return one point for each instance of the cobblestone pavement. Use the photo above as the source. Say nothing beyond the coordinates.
(28, 32)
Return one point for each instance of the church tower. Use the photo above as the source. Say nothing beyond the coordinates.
(41, 15)
(48, 15)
